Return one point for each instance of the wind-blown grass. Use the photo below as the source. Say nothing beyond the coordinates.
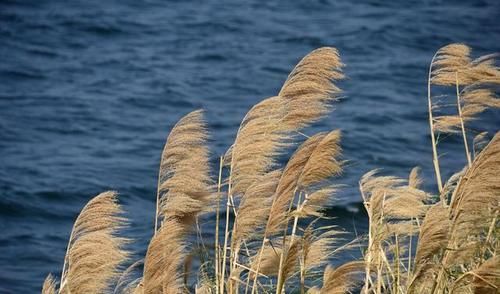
(94, 252)
(417, 242)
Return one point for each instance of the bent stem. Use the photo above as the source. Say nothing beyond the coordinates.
(459, 106)
(66, 261)
(435, 159)
(158, 192)
(296, 217)
(157, 202)
(488, 237)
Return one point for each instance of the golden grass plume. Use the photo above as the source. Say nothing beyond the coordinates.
(184, 187)
(94, 251)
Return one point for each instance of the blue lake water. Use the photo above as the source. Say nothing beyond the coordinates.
(90, 89)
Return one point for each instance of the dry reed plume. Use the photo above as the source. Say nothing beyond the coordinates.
(269, 237)
(94, 251)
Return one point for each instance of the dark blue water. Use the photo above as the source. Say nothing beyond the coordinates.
(90, 89)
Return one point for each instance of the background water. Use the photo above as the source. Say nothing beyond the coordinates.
(90, 89)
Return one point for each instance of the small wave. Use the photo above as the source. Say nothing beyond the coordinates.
(21, 74)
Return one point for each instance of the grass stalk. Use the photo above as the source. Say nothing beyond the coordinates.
(302, 277)
(409, 253)
(368, 256)
(226, 236)
(488, 236)
(233, 248)
(296, 217)
(157, 202)
(462, 125)
(217, 219)
(397, 275)
(281, 280)
(65, 264)
(259, 260)
(435, 159)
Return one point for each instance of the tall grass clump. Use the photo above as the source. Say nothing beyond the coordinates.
(269, 217)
